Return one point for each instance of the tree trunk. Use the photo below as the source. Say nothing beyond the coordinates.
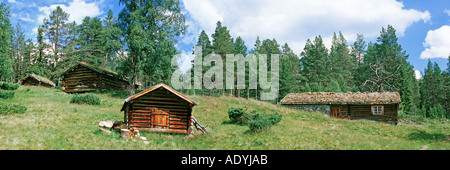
(132, 75)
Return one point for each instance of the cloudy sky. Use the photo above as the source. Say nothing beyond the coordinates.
(423, 27)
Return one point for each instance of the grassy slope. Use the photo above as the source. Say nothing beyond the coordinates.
(52, 123)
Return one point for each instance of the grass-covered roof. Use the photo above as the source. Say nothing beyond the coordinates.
(342, 98)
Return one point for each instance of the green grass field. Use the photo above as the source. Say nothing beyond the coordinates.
(52, 123)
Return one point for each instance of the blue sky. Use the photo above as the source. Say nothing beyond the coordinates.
(423, 27)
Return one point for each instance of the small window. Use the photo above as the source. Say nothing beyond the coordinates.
(377, 110)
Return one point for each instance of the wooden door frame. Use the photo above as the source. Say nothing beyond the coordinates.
(338, 110)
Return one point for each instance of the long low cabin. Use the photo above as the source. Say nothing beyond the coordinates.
(84, 77)
(159, 109)
(36, 80)
(381, 107)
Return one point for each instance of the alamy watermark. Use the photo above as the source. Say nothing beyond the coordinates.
(213, 78)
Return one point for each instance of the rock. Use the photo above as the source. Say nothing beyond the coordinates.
(107, 124)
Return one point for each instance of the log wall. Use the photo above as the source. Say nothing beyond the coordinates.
(356, 112)
(160, 111)
(82, 79)
(33, 82)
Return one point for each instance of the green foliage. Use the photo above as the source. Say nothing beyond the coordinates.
(262, 121)
(150, 35)
(9, 86)
(257, 122)
(4, 94)
(85, 99)
(11, 108)
(315, 63)
(235, 114)
(5, 43)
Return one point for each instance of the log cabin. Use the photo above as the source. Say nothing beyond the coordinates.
(159, 109)
(84, 77)
(380, 107)
(36, 80)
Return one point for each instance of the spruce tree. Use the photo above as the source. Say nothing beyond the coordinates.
(340, 60)
(315, 63)
(222, 44)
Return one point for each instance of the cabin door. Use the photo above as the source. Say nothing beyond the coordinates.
(335, 111)
(160, 119)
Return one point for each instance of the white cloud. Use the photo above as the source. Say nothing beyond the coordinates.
(447, 12)
(437, 43)
(11, 1)
(418, 74)
(78, 9)
(185, 61)
(294, 21)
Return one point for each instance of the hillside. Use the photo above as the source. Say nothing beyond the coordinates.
(52, 123)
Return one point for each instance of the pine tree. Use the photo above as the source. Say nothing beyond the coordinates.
(446, 76)
(358, 52)
(333, 87)
(432, 90)
(289, 72)
(240, 48)
(55, 26)
(91, 40)
(222, 44)
(5, 43)
(315, 63)
(340, 60)
(206, 47)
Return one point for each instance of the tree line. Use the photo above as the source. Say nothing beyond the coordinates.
(379, 66)
(139, 45)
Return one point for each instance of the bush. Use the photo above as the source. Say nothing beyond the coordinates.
(257, 122)
(9, 86)
(262, 121)
(12, 108)
(4, 94)
(85, 99)
(235, 114)
(260, 124)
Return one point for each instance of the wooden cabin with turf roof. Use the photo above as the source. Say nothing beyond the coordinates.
(84, 77)
(36, 80)
(381, 107)
(159, 109)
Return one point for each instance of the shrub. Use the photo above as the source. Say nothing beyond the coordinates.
(260, 124)
(12, 108)
(4, 94)
(261, 121)
(275, 118)
(235, 114)
(9, 86)
(257, 122)
(85, 99)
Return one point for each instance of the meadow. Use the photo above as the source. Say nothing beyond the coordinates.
(51, 122)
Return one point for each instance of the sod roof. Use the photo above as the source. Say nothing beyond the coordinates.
(342, 98)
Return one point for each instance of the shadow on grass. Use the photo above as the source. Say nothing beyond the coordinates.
(230, 122)
(422, 135)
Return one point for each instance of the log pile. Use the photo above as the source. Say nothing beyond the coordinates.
(131, 133)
